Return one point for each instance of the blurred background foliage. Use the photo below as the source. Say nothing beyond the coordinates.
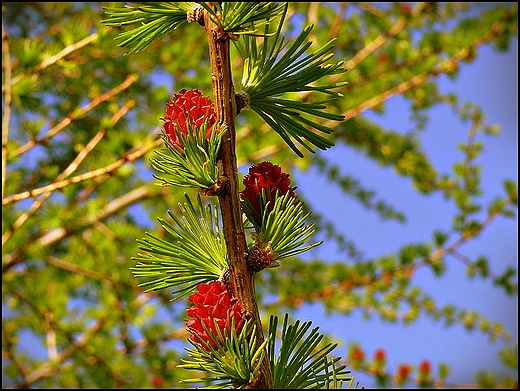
(81, 119)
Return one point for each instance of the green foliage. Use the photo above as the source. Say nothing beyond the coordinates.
(301, 362)
(283, 229)
(195, 253)
(509, 356)
(156, 20)
(270, 71)
(243, 17)
(233, 363)
(196, 165)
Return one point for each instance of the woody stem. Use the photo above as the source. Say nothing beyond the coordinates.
(241, 278)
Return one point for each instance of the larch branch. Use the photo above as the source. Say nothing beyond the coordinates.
(241, 278)
(6, 117)
(69, 170)
(75, 115)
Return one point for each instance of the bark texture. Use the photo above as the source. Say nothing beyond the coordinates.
(241, 279)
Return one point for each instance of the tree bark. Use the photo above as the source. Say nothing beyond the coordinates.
(241, 279)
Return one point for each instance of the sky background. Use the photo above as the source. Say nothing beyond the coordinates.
(491, 82)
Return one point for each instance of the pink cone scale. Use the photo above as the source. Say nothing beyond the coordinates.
(269, 177)
(188, 106)
(213, 306)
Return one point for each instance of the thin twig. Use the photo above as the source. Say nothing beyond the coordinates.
(69, 170)
(78, 269)
(312, 16)
(59, 234)
(9, 354)
(338, 21)
(6, 118)
(51, 60)
(48, 369)
(131, 156)
(75, 115)
(376, 44)
(52, 350)
(408, 269)
(417, 80)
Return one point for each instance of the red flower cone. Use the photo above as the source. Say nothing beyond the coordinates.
(266, 177)
(403, 371)
(214, 307)
(188, 107)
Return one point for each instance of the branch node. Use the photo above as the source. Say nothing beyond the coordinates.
(243, 100)
(220, 188)
(196, 15)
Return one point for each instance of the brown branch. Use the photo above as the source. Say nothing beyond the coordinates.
(6, 117)
(51, 60)
(9, 353)
(312, 16)
(376, 44)
(75, 115)
(406, 270)
(128, 157)
(444, 66)
(78, 269)
(61, 233)
(48, 369)
(241, 279)
(69, 170)
(340, 16)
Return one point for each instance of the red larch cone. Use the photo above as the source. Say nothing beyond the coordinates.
(270, 178)
(188, 106)
(214, 307)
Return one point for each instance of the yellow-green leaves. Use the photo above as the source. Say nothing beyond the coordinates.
(275, 78)
(155, 20)
(194, 253)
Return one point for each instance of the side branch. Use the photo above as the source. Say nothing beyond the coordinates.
(78, 113)
(6, 114)
(127, 157)
(241, 279)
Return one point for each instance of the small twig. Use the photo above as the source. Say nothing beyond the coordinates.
(75, 115)
(9, 354)
(376, 44)
(51, 60)
(129, 157)
(467, 166)
(69, 170)
(48, 369)
(367, 50)
(417, 80)
(312, 15)
(408, 269)
(468, 262)
(59, 234)
(52, 350)
(382, 73)
(6, 118)
(338, 21)
(77, 269)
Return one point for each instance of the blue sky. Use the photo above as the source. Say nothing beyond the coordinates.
(491, 82)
